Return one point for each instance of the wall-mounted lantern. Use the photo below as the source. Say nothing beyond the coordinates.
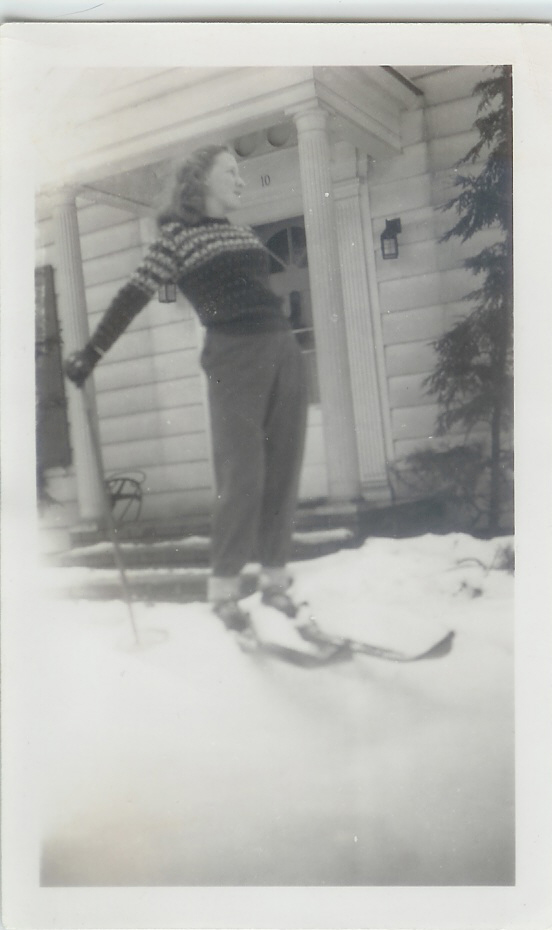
(167, 294)
(389, 242)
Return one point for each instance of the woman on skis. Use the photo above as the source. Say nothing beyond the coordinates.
(254, 368)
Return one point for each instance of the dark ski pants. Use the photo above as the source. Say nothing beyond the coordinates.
(258, 408)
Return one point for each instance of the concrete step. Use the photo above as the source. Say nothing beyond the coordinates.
(174, 586)
(193, 551)
(161, 565)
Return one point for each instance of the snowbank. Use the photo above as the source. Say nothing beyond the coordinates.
(191, 763)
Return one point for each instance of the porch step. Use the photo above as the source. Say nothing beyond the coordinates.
(164, 567)
(191, 551)
(176, 586)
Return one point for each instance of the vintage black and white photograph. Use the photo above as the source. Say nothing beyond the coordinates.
(274, 464)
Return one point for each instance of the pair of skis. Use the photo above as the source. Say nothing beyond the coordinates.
(440, 648)
(331, 650)
(309, 646)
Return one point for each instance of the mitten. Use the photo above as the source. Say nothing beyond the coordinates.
(80, 364)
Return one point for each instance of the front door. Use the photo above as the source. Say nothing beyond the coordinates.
(289, 278)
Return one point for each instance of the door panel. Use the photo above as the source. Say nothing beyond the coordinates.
(289, 279)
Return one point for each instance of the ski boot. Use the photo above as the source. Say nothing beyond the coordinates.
(236, 621)
(278, 598)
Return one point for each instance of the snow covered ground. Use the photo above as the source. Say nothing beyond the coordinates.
(188, 762)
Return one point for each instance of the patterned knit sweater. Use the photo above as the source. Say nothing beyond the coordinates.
(222, 269)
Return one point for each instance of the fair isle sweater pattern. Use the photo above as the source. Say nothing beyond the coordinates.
(222, 269)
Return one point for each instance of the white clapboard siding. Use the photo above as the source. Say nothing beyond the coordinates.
(453, 253)
(175, 450)
(177, 475)
(439, 121)
(446, 151)
(410, 293)
(154, 314)
(109, 267)
(97, 244)
(392, 197)
(125, 430)
(129, 427)
(171, 365)
(414, 422)
(417, 225)
(403, 195)
(416, 259)
(454, 312)
(411, 162)
(110, 375)
(429, 256)
(410, 358)
(413, 128)
(175, 333)
(448, 285)
(179, 421)
(177, 392)
(408, 391)
(170, 506)
(145, 453)
(448, 117)
(99, 296)
(454, 437)
(451, 83)
(102, 217)
(126, 400)
(444, 188)
(92, 218)
(422, 292)
(185, 447)
(142, 454)
(150, 426)
(149, 390)
(133, 345)
(414, 325)
(140, 340)
(455, 284)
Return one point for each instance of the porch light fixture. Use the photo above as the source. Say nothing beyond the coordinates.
(167, 294)
(389, 242)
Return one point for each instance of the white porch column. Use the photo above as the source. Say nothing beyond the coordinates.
(74, 320)
(327, 303)
(362, 334)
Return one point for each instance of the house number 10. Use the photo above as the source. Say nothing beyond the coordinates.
(265, 180)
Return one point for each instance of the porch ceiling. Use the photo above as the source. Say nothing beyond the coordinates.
(118, 134)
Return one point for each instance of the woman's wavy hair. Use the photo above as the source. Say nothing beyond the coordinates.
(187, 203)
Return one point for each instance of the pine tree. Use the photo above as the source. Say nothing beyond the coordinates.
(473, 377)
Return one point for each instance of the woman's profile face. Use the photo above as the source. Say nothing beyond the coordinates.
(223, 186)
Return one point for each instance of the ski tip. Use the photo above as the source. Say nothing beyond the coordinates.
(440, 649)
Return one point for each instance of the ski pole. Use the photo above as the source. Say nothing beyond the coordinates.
(108, 516)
